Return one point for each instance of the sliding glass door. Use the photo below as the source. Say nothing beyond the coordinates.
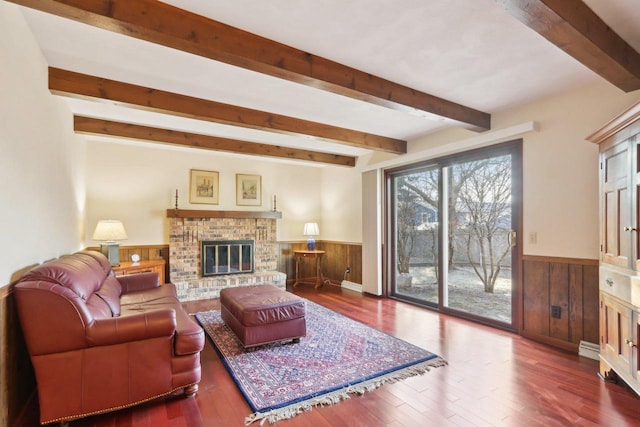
(452, 226)
(416, 233)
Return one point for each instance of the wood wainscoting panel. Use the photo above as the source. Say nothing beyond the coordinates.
(535, 313)
(338, 256)
(590, 298)
(570, 285)
(559, 297)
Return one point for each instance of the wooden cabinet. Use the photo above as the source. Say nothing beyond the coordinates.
(619, 281)
(127, 268)
(616, 317)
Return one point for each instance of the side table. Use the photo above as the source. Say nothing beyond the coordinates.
(298, 255)
(127, 268)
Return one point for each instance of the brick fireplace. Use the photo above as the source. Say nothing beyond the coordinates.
(187, 229)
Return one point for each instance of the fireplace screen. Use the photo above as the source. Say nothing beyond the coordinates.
(226, 257)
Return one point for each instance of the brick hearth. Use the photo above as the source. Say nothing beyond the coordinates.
(185, 235)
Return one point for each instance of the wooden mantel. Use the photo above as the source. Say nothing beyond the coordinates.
(193, 213)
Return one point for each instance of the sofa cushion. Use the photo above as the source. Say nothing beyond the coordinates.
(98, 308)
(189, 335)
(80, 272)
(110, 292)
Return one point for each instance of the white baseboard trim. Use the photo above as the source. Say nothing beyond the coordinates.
(589, 350)
(351, 286)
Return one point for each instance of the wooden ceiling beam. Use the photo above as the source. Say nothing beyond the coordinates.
(576, 29)
(92, 126)
(176, 28)
(69, 83)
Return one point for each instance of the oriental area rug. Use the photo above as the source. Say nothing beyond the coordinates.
(338, 357)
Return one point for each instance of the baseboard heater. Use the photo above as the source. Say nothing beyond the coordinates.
(352, 286)
(589, 349)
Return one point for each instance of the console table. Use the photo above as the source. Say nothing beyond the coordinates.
(127, 268)
(317, 255)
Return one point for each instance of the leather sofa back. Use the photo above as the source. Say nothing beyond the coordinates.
(75, 290)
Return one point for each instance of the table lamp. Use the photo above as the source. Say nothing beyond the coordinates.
(311, 229)
(108, 231)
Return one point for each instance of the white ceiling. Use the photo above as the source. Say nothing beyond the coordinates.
(471, 52)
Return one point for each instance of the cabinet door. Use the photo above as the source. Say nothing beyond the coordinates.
(635, 342)
(635, 211)
(615, 331)
(616, 205)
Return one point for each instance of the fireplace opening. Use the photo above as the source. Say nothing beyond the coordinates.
(226, 257)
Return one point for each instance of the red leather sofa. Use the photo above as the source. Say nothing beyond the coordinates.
(100, 343)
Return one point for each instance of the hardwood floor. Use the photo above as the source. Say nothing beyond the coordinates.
(494, 378)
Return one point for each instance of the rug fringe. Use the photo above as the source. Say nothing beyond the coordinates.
(337, 396)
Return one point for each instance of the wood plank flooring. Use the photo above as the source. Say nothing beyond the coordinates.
(494, 378)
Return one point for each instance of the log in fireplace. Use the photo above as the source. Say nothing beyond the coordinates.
(226, 257)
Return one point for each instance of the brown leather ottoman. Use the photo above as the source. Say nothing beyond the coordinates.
(263, 314)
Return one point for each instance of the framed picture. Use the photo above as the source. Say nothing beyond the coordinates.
(203, 187)
(248, 190)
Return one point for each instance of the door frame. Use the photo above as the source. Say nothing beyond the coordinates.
(513, 147)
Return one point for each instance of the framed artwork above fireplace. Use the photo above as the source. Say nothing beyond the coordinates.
(248, 190)
(203, 187)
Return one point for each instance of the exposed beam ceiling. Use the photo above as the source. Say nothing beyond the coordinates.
(87, 125)
(73, 84)
(227, 72)
(169, 26)
(576, 29)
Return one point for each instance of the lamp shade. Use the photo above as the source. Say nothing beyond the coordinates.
(311, 229)
(109, 230)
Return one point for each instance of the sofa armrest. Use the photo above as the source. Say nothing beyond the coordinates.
(136, 327)
(139, 282)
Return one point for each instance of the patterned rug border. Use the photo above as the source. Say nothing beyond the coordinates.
(331, 395)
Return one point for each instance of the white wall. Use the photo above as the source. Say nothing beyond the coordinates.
(136, 183)
(341, 190)
(560, 168)
(41, 160)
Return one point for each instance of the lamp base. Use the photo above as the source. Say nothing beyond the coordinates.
(311, 244)
(112, 252)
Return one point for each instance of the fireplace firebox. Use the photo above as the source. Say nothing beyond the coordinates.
(226, 257)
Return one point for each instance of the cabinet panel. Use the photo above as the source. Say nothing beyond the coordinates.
(128, 268)
(616, 205)
(635, 207)
(616, 332)
(635, 351)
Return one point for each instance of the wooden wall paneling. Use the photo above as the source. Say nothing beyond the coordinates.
(576, 303)
(571, 284)
(335, 261)
(337, 258)
(535, 315)
(559, 297)
(590, 305)
(285, 259)
(355, 262)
